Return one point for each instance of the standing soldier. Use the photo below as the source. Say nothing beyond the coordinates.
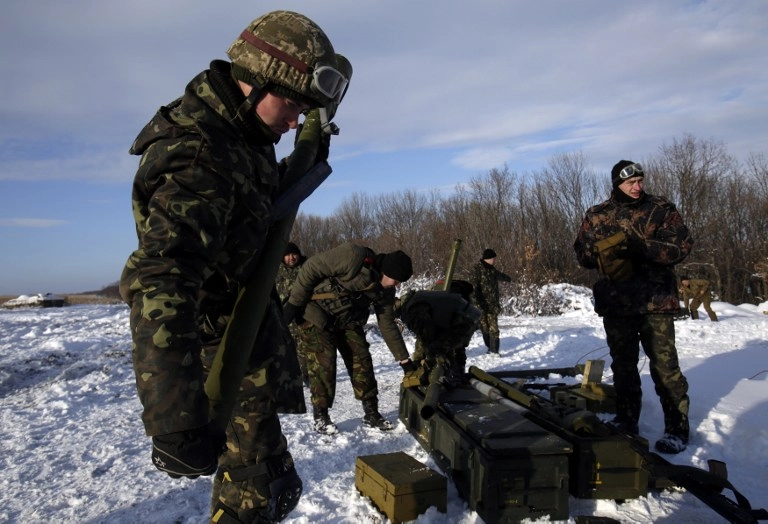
(202, 201)
(634, 240)
(695, 293)
(331, 300)
(286, 275)
(485, 280)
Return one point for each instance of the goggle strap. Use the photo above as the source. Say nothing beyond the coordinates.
(271, 50)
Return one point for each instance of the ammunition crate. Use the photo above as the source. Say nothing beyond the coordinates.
(606, 467)
(506, 467)
(400, 486)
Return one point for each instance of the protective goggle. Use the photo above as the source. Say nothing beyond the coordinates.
(630, 171)
(328, 81)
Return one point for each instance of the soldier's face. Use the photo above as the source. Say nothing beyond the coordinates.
(279, 113)
(388, 281)
(632, 187)
(291, 259)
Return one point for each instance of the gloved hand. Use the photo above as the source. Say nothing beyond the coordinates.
(408, 367)
(189, 453)
(632, 248)
(292, 312)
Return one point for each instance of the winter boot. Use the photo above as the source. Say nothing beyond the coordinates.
(712, 316)
(372, 416)
(487, 340)
(494, 347)
(323, 423)
(624, 425)
(694, 315)
(671, 444)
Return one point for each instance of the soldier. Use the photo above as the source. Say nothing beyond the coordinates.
(202, 200)
(634, 240)
(444, 322)
(331, 300)
(695, 293)
(485, 280)
(286, 275)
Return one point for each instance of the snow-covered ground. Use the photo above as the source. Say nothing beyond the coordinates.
(72, 447)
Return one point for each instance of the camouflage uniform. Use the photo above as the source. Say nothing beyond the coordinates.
(485, 280)
(337, 289)
(695, 294)
(640, 308)
(201, 200)
(444, 322)
(286, 275)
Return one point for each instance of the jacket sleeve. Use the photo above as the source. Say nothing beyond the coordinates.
(390, 332)
(342, 262)
(177, 227)
(584, 246)
(667, 238)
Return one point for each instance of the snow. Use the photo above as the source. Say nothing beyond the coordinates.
(72, 447)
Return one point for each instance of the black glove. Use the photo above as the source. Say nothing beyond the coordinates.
(633, 248)
(323, 147)
(189, 453)
(409, 367)
(292, 312)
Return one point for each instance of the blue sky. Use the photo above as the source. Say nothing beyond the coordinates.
(441, 92)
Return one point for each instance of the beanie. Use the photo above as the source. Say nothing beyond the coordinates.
(292, 249)
(489, 253)
(397, 265)
(621, 164)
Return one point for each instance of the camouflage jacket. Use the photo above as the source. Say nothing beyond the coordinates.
(286, 277)
(202, 197)
(485, 280)
(338, 287)
(662, 241)
(697, 288)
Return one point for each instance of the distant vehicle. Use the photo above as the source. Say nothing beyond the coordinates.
(39, 300)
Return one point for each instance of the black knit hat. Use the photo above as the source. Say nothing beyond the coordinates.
(292, 249)
(397, 265)
(489, 253)
(621, 164)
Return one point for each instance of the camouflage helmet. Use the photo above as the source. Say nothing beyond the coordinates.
(289, 54)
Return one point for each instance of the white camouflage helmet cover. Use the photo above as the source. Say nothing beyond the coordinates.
(295, 46)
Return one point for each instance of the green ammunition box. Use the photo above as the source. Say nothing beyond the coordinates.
(400, 486)
(504, 466)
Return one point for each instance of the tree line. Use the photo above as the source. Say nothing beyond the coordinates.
(531, 219)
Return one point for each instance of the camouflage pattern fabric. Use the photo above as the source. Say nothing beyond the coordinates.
(485, 280)
(350, 286)
(201, 201)
(321, 346)
(652, 287)
(283, 282)
(656, 333)
(695, 294)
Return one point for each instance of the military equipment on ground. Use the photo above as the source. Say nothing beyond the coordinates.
(516, 447)
(399, 485)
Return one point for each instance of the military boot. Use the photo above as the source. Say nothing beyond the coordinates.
(694, 315)
(323, 423)
(494, 347)
(712, 316)
(372, 416)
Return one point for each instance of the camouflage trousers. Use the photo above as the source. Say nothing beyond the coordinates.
(656, 334)
(489, 327)
(256, 447)
(320, 346)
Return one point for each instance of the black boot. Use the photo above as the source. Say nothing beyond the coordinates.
(372, 416)
(494, 347)
(323, 423)
(487, 340)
